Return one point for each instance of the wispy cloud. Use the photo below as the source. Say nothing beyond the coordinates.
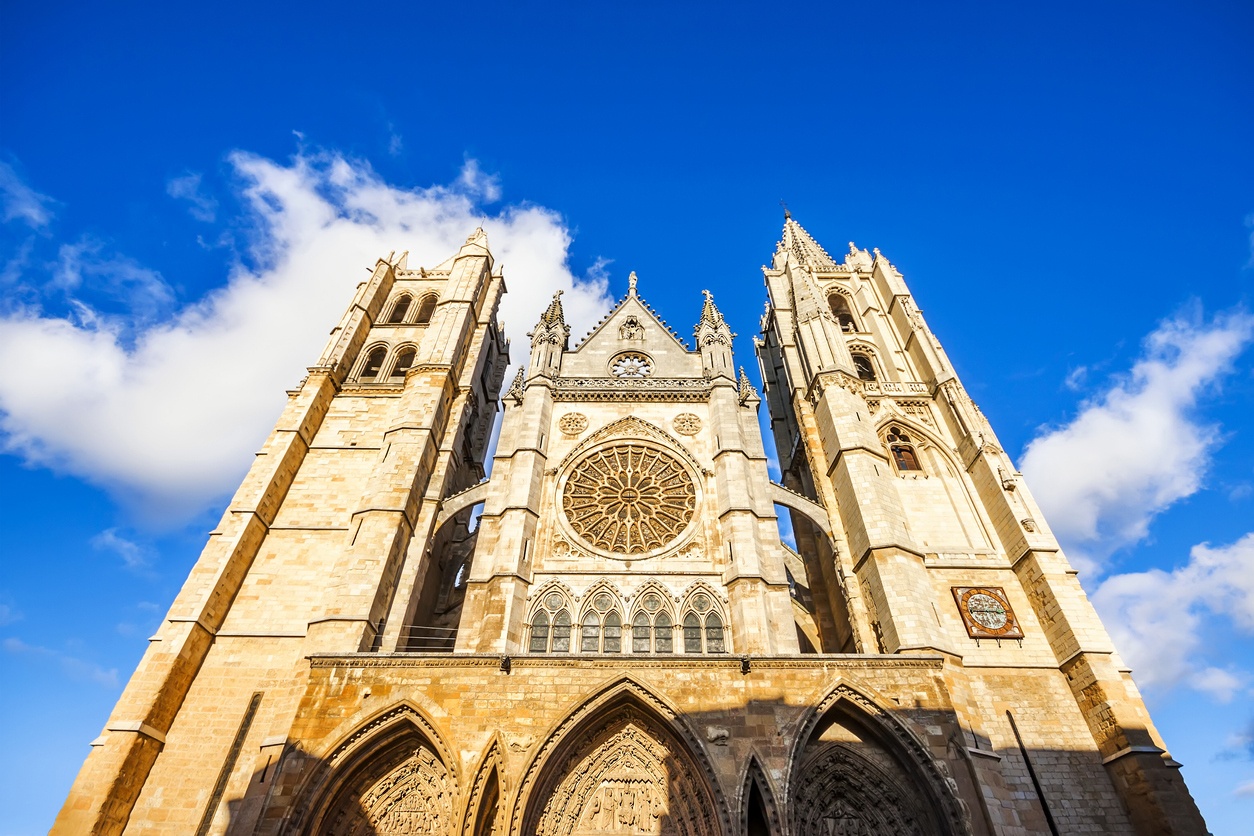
(19, 201)
(83, 395)
(134, 557)
(86, 270)
(1137, 448)
(73, 667)
(189, 187)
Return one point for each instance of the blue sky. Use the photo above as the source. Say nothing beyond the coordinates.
(190, 196)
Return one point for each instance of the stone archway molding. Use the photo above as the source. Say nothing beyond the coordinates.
(565, 737)
(931, 776)
(314, 796)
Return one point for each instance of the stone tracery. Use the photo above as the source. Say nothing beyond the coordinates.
(629, 499)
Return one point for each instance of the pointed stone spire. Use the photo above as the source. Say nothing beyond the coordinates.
(802, 246)
(711, 328)
(554, 314)
(515, 390)
(709, 312)
(747, 392)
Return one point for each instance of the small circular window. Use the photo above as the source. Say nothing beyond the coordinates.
(633, 364)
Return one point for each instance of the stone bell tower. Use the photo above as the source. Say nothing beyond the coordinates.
(936, 544)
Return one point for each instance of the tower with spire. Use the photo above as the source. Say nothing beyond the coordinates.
(621, 641)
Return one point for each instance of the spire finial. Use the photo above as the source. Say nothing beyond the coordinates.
(787, 214)
(708, 295)
(631, 283)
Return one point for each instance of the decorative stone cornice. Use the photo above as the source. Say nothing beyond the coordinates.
(676, 389)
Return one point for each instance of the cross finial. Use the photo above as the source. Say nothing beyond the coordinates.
(787, 214)
(707, 294)
(631, 284)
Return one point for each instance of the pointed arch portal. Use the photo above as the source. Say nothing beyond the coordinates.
(627, 774)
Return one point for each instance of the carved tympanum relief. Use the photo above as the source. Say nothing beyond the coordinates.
(629, 499)
(628, 777)
(843, 794)
(414, 798)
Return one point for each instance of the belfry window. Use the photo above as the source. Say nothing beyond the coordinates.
(400, 309)
(425, 310)
(374, 362)
(404, 360)
(840, 309)
(862, 364)
(900, 445)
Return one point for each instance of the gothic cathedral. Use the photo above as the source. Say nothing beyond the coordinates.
(620, 643)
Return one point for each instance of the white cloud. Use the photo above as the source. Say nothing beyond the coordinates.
(19, 201)
(1245, 790)
(478, 183)
(1137, 448)
(72, 666)
(134, 557)
(168, 419)
(188, 187)
(1156, 617)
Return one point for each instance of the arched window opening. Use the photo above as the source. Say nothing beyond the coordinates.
(862, 363)
(692, 633)
(539, 633)
(840, 309)
(374, 362)
(425, 310)
(590, 636)
(714, 634)
(561, 632)
(403, 361)
(904, 455)
(640, 634)
(400, 309)
(663, 634)
(613, 633)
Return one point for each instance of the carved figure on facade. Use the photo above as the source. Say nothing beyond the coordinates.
(631, 329)
(413, 798)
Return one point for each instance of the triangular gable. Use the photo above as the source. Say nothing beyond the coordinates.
(630, 305)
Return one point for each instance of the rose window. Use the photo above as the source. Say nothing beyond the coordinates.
(631, 365)
(629, 499)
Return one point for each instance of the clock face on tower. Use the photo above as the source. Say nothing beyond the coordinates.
(986, 612)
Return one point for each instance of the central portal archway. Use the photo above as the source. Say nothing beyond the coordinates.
(625, 774)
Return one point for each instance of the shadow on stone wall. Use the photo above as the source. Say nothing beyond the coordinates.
(622, 763)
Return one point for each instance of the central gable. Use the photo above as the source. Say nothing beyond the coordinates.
(632, 328)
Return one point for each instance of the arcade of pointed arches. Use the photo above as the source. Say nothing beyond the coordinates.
(624, 762)
(607, 624)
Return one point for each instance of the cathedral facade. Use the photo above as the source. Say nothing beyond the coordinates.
(620, 642)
